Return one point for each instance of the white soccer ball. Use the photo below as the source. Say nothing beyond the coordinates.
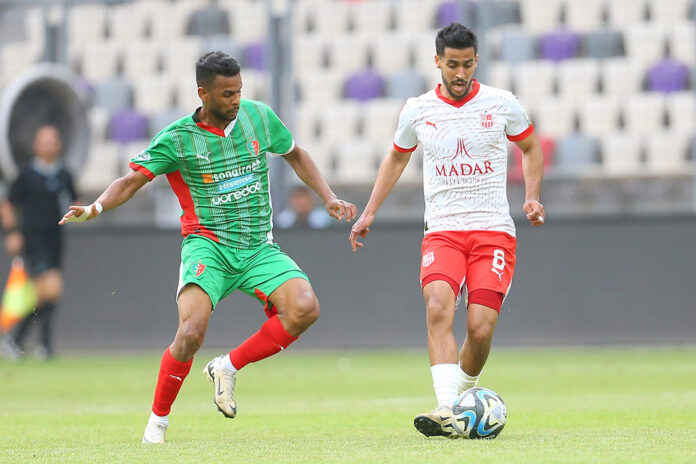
(479, 413)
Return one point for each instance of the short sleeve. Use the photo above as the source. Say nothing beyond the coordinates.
(518, 126)
(405, 138)
(282, 142)
(158, 158)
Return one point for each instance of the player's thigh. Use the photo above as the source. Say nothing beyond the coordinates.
(481, 321)
(443, 259)
(275, 280)
(440, 304)
(492, 261)
(194, 306)
(204, 264)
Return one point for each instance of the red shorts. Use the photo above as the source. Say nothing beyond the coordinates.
(482, 260)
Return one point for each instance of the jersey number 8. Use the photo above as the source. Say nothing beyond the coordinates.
(499, 259)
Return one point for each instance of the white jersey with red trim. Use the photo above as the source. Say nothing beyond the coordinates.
(465, 155)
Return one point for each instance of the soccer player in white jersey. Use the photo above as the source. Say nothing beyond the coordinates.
(469, 242)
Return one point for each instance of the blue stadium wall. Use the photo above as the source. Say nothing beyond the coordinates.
(576, 283)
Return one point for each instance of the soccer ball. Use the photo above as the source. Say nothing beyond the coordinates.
(479, 413)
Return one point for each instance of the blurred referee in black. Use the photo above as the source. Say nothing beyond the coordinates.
(29, 217)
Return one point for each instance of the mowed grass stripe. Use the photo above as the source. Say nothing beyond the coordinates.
(564, 406)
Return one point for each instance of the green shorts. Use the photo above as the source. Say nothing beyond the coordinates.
(219, 270)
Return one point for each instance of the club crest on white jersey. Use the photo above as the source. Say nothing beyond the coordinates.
(428, 259)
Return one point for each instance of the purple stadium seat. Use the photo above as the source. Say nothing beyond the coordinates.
(560, 45)
(364, 85)
(448, 13)
(255, 56)
(668, 76)
(457, 11)
(128, 125)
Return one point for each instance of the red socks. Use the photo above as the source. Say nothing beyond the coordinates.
(269, 340)
(171, 376)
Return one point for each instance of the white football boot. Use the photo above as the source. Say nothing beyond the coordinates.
(223, 380)
(436, 423)
(154, 432)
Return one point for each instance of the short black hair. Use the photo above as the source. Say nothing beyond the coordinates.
(455, 36)
(214, 64)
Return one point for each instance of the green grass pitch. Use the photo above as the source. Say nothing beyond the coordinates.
(606, 405)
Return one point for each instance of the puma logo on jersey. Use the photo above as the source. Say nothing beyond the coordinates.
(499, 273)
(205, 156)
(428, 123)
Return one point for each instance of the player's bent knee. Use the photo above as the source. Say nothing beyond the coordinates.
(480, 329)
(481, 334)
(191, 335)
(437, 312)
(308, 310)
(304, 311)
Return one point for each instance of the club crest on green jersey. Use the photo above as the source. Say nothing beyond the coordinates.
(253, 146)
(198, 268)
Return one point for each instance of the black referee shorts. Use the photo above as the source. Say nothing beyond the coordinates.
(43, 251)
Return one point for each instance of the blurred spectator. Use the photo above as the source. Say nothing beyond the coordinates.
(38, 194)
(302, 211)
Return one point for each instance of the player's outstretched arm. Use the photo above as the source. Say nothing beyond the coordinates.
(533, 169)
(309, 173)
(390, 170)
(120, 191)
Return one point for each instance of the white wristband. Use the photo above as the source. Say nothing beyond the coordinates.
(98, 208)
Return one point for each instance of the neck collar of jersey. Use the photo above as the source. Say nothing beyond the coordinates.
(47, 169)
(472, 93)
(212, 129)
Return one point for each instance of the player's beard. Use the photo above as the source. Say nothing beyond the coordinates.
(228, 115)
(448, 86)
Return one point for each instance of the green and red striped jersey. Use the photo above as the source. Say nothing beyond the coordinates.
(221, 177)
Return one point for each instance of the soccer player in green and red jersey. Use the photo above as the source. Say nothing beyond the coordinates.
(216, 162)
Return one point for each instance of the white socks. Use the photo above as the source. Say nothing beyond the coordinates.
(164, 420)
(227, 364)
(445, 382)
(466, 381)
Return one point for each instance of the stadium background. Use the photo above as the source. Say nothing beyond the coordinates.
(609, 85)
